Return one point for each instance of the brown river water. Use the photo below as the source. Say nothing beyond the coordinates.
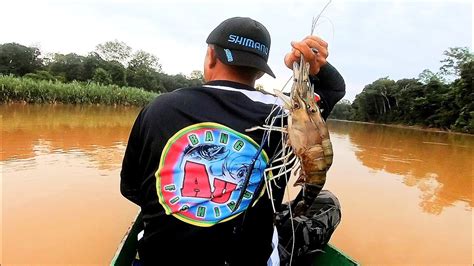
(406, 194)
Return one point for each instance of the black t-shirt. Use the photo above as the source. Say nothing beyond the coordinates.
(186, 164)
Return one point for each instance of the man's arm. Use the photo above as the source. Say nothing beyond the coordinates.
(330, 86)
(130, 176)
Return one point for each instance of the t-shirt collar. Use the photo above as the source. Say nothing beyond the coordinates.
(228, 83)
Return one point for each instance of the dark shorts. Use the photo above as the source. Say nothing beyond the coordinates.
(312, 230)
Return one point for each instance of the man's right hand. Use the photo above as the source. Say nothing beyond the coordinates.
(314, 51)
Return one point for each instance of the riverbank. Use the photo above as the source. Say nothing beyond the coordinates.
(26, 90)
(415, 127)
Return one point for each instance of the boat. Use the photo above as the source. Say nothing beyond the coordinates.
(127, 250)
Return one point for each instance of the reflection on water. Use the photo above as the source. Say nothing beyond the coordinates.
(438, 164)
(61, 200)
(406, 194)
(61, 128)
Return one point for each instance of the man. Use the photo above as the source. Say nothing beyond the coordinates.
(189, 156)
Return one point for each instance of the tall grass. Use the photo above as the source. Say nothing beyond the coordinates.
(14, 89)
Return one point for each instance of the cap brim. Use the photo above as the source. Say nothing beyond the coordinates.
(242, 58)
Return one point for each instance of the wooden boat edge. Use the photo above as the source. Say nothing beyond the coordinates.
(124, 254)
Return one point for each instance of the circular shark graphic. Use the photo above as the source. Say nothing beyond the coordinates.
(202, 173)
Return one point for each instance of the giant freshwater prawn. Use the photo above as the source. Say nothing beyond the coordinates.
(306, 148)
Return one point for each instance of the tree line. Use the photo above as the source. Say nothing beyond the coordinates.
(111, 63)
(444, 99)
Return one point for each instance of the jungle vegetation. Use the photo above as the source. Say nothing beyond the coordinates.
(115, 74)
(444, 99)
(111, 65)
(28, 90)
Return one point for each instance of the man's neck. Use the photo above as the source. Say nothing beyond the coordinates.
(234, 79)
(222, 72)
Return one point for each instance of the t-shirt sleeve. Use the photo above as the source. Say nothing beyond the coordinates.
(130, 174)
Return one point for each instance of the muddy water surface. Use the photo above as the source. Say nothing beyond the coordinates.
(406, 194)
(60, 173)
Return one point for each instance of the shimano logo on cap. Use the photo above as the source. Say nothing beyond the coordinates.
(260, 47)
(230, 58)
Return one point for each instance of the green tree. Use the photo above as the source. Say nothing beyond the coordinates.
(362, 108)
(70, 66)
(436, 107)
(114, 51)
(143, 71)
(41, 75)
(196, 78)
(18, 59)
(408, 91)
(101, 76)
(117, 71)
(197, 75)
(144, 61)
(429, 100)
(464, 98)
(92, 62)
(173, 82)
(376, 101)
(143, 78)
(342, 110)
(454, 58)
(426, 76)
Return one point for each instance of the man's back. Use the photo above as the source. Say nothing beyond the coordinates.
(195, 171)
(193, 155)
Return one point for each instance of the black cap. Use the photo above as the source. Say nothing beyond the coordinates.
(242, 42)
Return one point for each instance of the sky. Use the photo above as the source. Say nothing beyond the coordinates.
(367, 40)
